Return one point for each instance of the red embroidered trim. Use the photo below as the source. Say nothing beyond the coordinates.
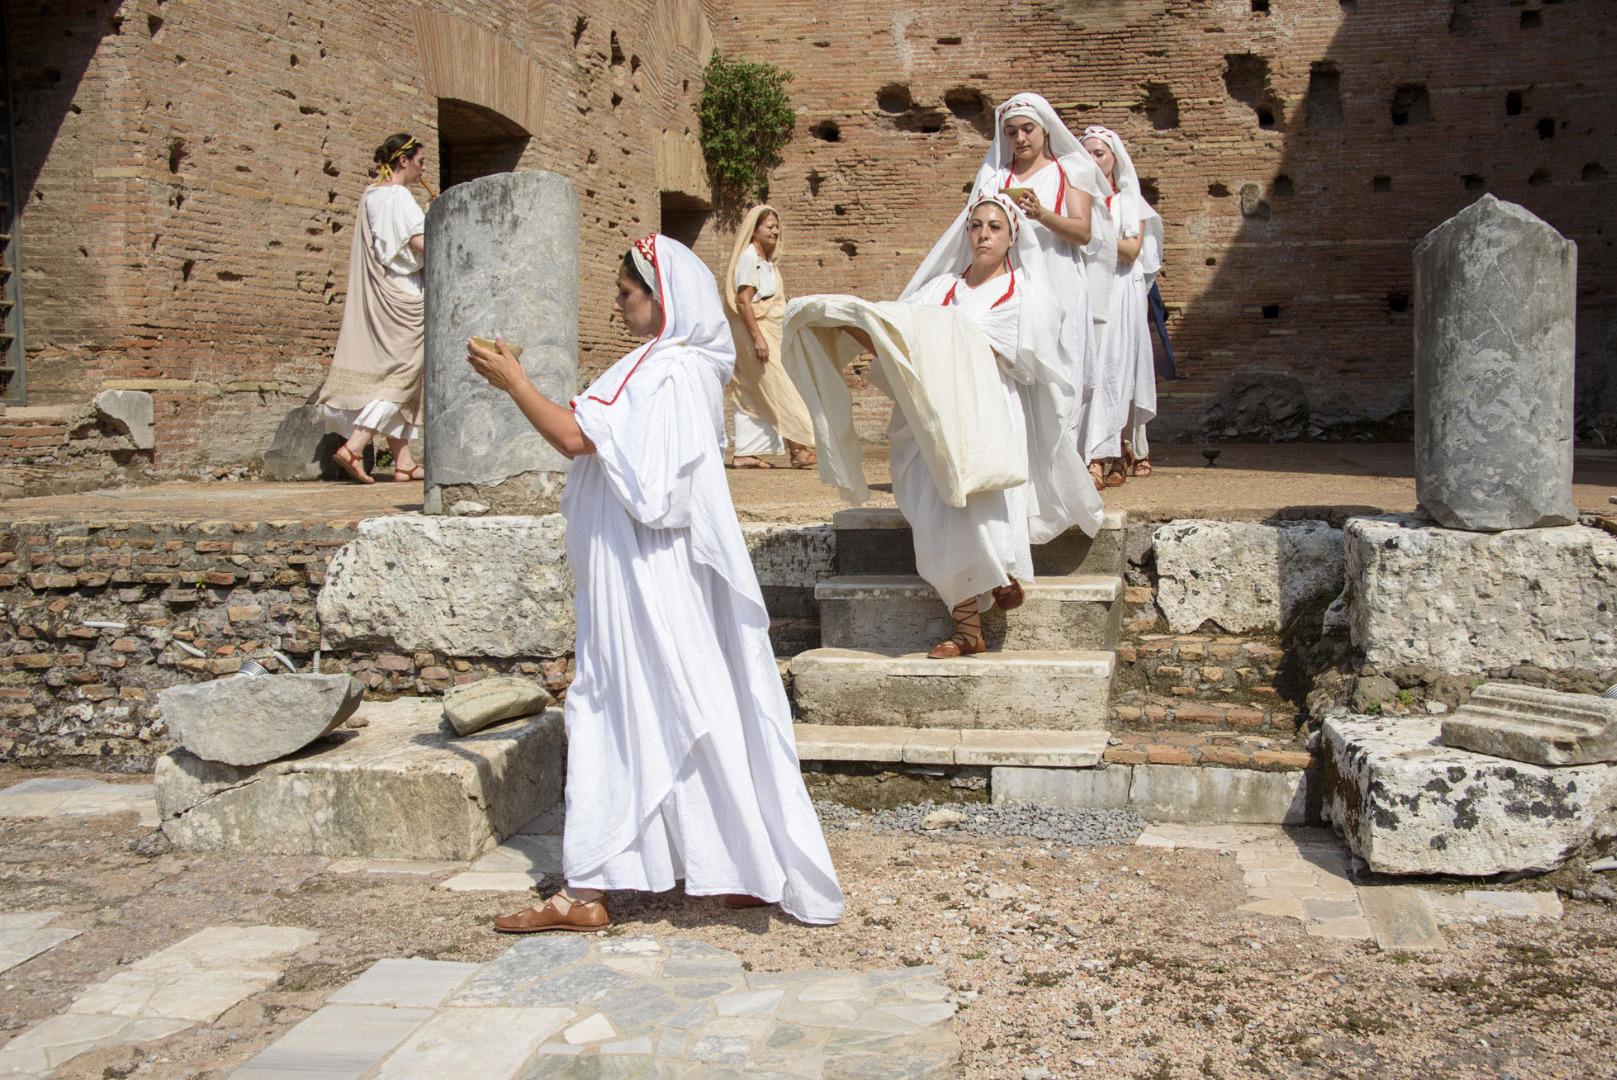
(948, 297)
(647, 246)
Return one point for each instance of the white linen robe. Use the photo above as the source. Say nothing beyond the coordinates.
(681, 761)
(1125, 394)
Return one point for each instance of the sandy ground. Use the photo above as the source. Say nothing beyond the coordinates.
(1245, 482)
(1119, 961)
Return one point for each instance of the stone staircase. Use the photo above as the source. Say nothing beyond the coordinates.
(1048, 669)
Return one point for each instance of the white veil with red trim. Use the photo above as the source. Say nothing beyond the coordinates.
(693, 317)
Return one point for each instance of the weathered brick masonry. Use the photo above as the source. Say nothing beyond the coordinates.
(190, 169)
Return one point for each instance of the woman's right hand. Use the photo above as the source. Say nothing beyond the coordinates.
(760, 348)
(500, 367)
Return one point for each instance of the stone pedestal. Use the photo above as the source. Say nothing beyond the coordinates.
(401, 787)
(1495, 300)
(502, 259)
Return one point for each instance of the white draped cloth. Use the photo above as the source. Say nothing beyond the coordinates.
(1125, 394)
(681, 761)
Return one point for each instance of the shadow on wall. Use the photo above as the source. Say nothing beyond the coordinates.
(51, 50)
(1410, 114)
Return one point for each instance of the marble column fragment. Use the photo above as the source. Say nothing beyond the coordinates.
(502, 258)
(1495, 300)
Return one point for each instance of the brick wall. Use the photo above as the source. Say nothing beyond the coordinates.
(51, 450)
(1288, 243)
(189, 171)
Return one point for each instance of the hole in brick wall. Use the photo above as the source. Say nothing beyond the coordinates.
(1539, 178)
(971, 105)
(814, 181)
(177, 154)
(580, 24)
(1473, 182)
(634, 64)
(1260, 7)
(1148, 189)
(894, 98)
(849, 248)
(1218, 191)
(617, 99)
(1283, 186)
(179, 200)
(1160, 106)
(336, 227)
(826, 131)
(1253, 204)
(185, 269)
(822, 44)
(1594, 172)
(948, 41)
(1397, 301)
(1513, 103)
(1411, 104)
(292, 61)
(926, 121)
(1271, 311)
(330, 169)
(592, 157)
(1246, 78)
(311, 110)
(1460, 16)
(1532, 20)
(226, 275)
(1546, 128)
(1381, 183)
(154, 23)
(1211, 261)
(618, 56)
(839, 210)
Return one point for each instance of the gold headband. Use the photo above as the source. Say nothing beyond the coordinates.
(384, 171)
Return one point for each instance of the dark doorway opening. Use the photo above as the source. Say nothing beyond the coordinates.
(684, 217)
(474, 142)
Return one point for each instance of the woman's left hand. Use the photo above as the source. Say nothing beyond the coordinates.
(1029, 204)
(499, 366)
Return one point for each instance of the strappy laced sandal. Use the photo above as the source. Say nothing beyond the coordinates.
(580, 916)
(1142, 467)
(967, 638)
(1098, 475)
(414, 472)
(1117, 474)
(1009, 597)
(352, 464)
(803, 458)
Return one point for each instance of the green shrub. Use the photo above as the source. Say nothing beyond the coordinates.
(747, 120)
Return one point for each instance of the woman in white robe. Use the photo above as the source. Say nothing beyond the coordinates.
(1041, 165)
(1125, 396)
(681, 762)
(975, 554)
(374, 386)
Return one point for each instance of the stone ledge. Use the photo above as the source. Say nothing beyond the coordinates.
(1167, 792)
(950, 746)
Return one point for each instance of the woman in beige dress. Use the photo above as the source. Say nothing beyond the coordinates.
(769, 409)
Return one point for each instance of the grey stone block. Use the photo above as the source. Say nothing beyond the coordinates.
(1406, 804)
(1054, 690)
(905, 613)
(877, 540)
(504, 262)
(1529, 723)
(302, 448)
(1495, 305)
(128, 411)
(247, 720)
(1078, 789)
(1464, 602)
(1244, 575)
(492, 586)
(399, 788)
(1209, 793)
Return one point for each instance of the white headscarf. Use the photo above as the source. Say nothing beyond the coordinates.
(1130, 214)
(693, 317)
(1076, 164)
(743, 242)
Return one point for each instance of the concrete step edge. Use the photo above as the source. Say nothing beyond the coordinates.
(1035, 748)
(1094, 663)
(1080, 588)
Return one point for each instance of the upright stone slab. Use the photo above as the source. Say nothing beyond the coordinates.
(1495, 291)
(502, 260)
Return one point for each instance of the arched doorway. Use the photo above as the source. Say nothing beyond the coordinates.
(474, 141)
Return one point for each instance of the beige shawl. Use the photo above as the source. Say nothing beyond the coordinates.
(763, 391)
(379, 344)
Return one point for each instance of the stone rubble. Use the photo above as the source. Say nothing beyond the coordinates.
(251, 720)
(1535, 725)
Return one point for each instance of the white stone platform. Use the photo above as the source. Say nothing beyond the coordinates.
(1406, 804)
(904, 612)
(402, 787)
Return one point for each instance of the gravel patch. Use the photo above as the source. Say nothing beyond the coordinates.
(1074, 828)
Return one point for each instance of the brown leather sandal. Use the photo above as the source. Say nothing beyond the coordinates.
(803, 458)
(352, 465)
(580, 917)
(967, 639)
(1098, 475)
(1117, 473)
(1142, 467)
(1009, 597)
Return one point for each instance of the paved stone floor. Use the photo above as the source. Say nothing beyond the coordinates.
(52, 797)
(618, 1006)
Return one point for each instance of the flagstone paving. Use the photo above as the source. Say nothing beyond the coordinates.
(619, 1007)
(26, 934)
(64, 797)
(189, 983)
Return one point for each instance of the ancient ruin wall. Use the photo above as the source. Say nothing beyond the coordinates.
(191, 172)
(1296, 150)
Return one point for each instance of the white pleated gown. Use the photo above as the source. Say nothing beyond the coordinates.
(681, 763)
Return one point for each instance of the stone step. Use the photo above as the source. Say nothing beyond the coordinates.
(892, 611)
(1028, 689)
(950, 746)
(876, 540)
